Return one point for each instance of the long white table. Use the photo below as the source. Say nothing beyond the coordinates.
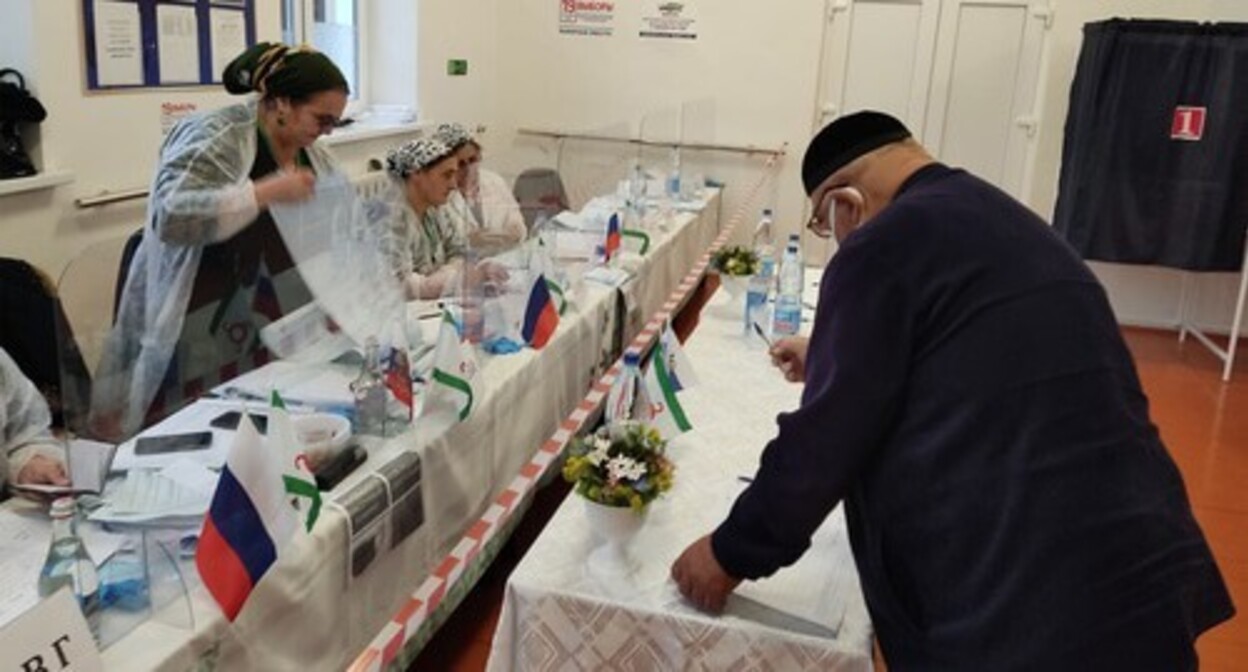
(560, 615)
(305, 614)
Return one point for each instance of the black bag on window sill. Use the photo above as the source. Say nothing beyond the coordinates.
(16, 103)
(14, 162)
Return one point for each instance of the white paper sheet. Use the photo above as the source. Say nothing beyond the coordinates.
(118, 44)
(177, 40)
(229, 38)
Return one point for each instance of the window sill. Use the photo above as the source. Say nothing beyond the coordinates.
(44, 180)
(362, 131)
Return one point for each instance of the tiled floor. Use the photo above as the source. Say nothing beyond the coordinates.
(1203, 421)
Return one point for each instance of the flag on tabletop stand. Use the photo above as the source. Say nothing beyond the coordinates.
(450, 394)
(540, 316)
(679, 368)
(612, 244)
(662, 409)
(248, 524)
(397, 372)
(297, 476)
(542, 264)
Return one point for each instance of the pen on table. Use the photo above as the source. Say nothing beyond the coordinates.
(745, 479)
(762, 334)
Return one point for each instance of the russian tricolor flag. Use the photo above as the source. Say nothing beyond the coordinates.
(247, 524)
(540, 316)
(613, 237)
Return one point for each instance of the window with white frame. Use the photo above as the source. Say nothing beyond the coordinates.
(335, 28)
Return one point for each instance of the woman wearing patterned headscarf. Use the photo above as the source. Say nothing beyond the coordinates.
(211, 269)
(428, 244)
(491, 212)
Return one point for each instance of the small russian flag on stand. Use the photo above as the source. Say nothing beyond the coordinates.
(613, 237)
(540, 316)
(248, 523)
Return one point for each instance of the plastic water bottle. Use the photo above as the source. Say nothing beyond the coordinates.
(758, 291)
(623, 395)
(369, 391)
(69, 564)
(673, 176)
(788, 315)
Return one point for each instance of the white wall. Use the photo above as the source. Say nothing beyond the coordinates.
(751, 72)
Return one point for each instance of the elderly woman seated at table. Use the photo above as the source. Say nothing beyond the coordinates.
(29, 454)
(426, 242)
(490, 211)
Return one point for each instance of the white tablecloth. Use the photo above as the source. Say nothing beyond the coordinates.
(558, 615)
(304, 615)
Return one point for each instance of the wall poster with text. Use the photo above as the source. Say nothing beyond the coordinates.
(587, 17)
(670, 20)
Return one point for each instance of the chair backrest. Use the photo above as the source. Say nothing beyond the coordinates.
(123, 268)
(35, 332)
(540, 191)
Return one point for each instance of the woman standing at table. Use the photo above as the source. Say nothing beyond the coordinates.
(427, 244)
(492, 214)
(211, 269)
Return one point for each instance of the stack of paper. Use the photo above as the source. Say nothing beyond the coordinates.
(176, 495)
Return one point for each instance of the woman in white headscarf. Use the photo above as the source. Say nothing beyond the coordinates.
(211, 268)
(494, 219)
(29, 454)
(426, 245)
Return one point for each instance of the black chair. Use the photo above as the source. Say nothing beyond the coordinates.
(540, 193)
(36, 334)
(123, 269)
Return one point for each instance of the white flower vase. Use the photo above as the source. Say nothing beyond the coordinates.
(615, 527)
(735, 287)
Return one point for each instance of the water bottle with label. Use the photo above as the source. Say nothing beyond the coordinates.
(758, 292)
(69, 564)
(788, 313)
(673, 176)
(622, 396)
(369, 391)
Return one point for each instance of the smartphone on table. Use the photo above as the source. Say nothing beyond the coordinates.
(172, 443)
(230, 420)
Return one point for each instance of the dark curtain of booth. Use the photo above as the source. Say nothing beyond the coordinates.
(1155, 157)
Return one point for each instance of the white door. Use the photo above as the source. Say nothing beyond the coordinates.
(962, 74)
(983, 110)
(878, 56)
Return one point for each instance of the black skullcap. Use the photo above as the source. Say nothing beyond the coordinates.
(846, 139)
(276, 70)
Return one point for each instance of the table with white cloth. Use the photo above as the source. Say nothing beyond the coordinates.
(561, 614)
(307, 613)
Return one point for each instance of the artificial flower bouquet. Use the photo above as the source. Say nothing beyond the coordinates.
(621, 466)
(736, 260)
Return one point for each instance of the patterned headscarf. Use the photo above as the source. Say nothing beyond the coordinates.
(453, 135)
(415, 155)
(276, 70)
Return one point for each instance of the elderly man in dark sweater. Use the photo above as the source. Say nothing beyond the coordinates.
(969, 397)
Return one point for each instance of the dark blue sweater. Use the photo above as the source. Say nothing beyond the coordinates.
(970, 398)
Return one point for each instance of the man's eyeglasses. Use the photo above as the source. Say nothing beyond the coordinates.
(817, 225)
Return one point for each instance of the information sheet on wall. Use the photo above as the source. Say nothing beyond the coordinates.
(150, 43)
(669, 20)
(595, 18)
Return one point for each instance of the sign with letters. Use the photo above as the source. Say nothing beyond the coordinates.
(50, 637)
